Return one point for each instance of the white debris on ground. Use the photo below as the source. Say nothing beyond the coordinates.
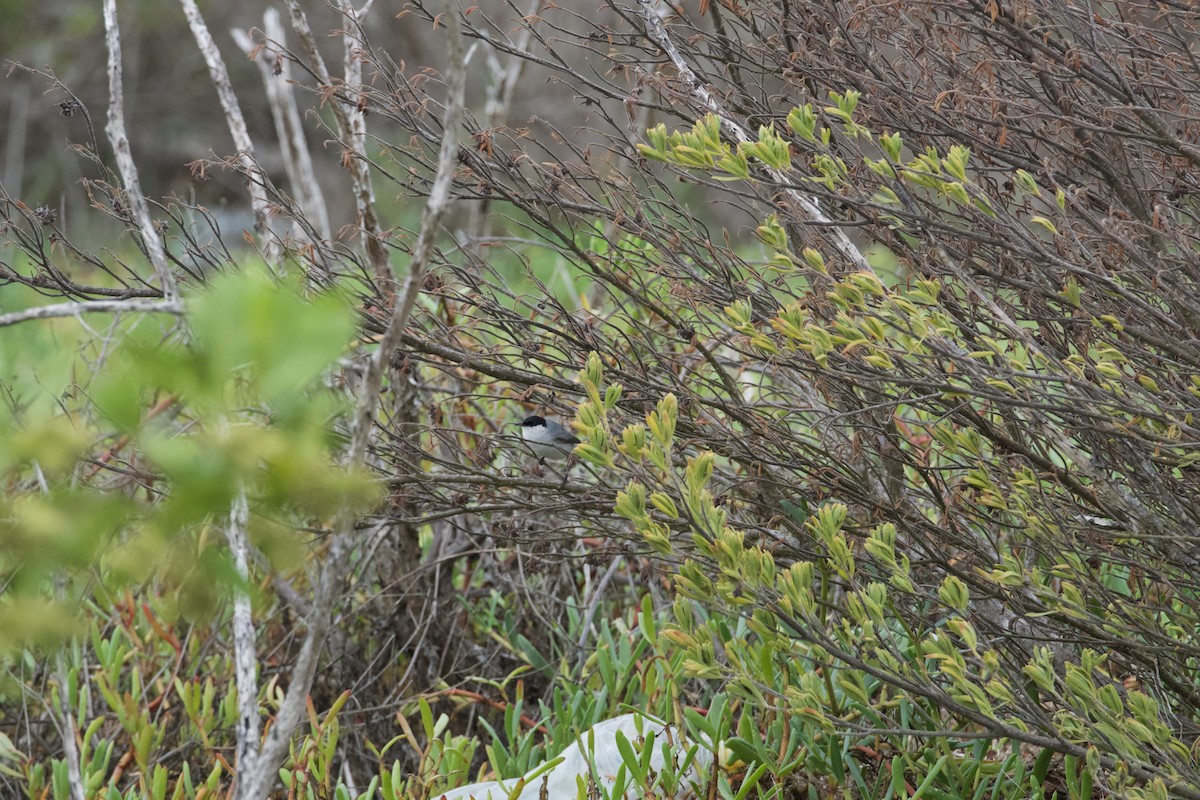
(597, 754)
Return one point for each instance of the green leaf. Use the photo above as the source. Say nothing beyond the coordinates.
(954, 593)
(1027, 183)
(803, 122)
(892, 144)
(1045, 223)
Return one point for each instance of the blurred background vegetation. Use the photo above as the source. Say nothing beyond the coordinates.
(174, 117)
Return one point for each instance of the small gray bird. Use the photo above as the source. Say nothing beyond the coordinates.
(546, 438)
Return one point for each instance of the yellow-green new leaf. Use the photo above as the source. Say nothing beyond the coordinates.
(1045, 223)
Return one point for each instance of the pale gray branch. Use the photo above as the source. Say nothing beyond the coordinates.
(245, 657)
(237, 127)
(147, 305)
(276, 74)
(70, 749)
(354, 131)
(134, 199)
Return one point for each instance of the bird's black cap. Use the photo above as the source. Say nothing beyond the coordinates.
(532, 422)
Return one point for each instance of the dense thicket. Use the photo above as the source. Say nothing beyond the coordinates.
(879, 322)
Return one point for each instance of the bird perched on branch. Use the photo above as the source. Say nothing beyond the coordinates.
(546, 438)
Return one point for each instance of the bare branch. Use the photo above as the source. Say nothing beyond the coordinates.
(276, 75)
(92, 307)
(115, 129)
(69, 732)
(244, 650)
(237, 127)
(354, 131)
(351, 126)
(254, 783)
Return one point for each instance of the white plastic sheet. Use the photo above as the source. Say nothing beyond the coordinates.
(598, 748)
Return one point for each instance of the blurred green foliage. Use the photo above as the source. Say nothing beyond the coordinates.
(235, 401)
